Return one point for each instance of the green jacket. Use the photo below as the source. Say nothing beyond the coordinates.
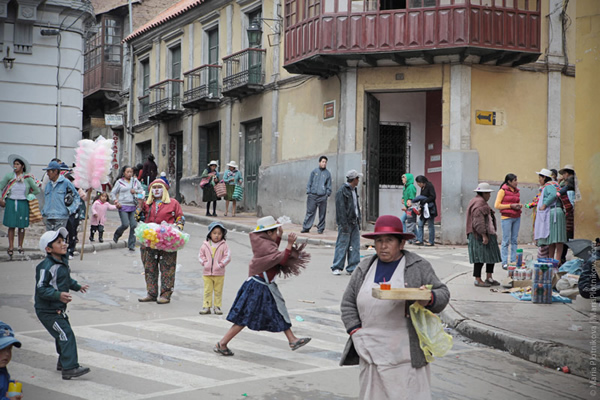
(29, 182)
(410, 191)
(53, 277)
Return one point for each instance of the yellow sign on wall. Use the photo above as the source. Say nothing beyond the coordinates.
(485, 117)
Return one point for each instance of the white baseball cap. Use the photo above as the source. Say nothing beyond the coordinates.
(50, 236)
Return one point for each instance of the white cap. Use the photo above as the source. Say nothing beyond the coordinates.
(50, 236)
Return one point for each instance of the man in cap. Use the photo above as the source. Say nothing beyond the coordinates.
(318, 189)
(7, 341)
(60, 198)
(347, 217)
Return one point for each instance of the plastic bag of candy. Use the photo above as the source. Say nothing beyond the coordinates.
(161, 237)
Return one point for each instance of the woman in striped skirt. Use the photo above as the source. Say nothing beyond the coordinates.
(481, 235)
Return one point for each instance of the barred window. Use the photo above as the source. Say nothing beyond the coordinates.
(393, 154)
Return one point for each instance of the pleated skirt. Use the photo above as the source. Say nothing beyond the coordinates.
(483, 253)
(558, 228)
(16, 214)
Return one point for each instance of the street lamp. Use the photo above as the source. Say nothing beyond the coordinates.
(254, 34)
(8, 60)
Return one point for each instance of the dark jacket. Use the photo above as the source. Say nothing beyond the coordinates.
(345, 214)
(149, 172)
(319, 182)
(418, 272)
(429, 193)
(53, 277)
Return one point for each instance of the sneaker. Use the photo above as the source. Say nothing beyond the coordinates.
(67, 374)
(131, 249)
(218, 311)
(505, 266)
(162, 300)
(336, 272)
(305, 231)
(204, 311)
(70, 256)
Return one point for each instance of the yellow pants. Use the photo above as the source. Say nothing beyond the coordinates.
(213, 284)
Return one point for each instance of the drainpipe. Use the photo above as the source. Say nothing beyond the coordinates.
(129, 135)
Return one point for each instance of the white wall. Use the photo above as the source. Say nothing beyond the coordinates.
(408, 107)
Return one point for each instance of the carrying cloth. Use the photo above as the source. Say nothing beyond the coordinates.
(266, 255)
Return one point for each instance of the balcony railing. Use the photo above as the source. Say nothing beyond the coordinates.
(203, 86)
(244, 72)
(165, 99)
(144, 108)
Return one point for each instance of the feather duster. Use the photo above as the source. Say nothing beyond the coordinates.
(93, 160)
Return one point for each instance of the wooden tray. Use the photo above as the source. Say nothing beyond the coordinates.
(402, 294)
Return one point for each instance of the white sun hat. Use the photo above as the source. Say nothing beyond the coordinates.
(265, 224)
(545, 172)
(483, 187)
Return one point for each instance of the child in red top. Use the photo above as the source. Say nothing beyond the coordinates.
(214, 256)
(98, 219)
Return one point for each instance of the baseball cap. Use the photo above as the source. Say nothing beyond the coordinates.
(50, 236)
(7, 336)
(353, 174)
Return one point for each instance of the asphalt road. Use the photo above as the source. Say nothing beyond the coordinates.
(150, 351)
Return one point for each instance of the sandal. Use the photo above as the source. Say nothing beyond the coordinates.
(429, 245)
(222, 351)
(417, 243)
(492, 282)
(481, 284)
(299, 343)
(10, 253)
(21, 251)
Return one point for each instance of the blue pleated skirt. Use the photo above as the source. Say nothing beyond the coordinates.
(255, 307)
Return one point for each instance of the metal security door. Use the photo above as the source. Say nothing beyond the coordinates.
(253, 159)
(372, 178)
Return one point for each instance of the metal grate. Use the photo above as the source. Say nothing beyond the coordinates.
(393, 154)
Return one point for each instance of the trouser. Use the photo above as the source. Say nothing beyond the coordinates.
(563, 256)
(489, 268)
(347, 244)
(312, 202)
(430, 227)
(99, 229)
(54, 224)
(127, 221)
(510, 234)
(59, 327)
(151, 259)
(213, 284)
(72, 225)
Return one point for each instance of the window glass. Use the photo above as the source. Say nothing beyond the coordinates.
(291, 7)
(175, 62)
(213, 46)
(329, 6)
(342, 5)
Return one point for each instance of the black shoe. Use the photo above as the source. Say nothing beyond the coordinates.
(208, 214)
(101, 240)
(305, 231)
(214, 214)
(67, 374)
(58, 366)
(131, 249)
(116, 240)
(91, 239)
(320, 232)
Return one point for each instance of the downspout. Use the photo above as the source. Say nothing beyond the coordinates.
(129, 136)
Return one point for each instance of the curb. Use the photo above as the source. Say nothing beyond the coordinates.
(36, 254)
(546, 353)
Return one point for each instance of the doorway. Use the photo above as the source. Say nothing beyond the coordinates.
(209, 145)
(142, 151)
(176, 162)
(252, 162)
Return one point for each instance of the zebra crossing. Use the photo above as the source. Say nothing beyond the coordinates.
(170, 356)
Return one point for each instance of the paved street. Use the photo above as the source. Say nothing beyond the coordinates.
(151, 351)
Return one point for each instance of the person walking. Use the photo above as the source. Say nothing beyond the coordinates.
(318, 190)
(508, 201)
(550, 223)
(259, 304)
(17, 187)
(232, 178)
(157, 209)
(481, 236)
(214, 255)
(208, 180)
(383, 341)
(60, 198)
(149, 170)
(428, 193)
(347, 216)
(125, 195)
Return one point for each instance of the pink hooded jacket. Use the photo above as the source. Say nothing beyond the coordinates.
(214, 266)
(99, 212)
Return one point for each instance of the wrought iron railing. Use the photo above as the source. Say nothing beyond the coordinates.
(165, 96)
(202, 82)
(246, 67)
(144, 108)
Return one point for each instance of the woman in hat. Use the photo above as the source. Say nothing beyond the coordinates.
(481, 236)
(383, 340)
(550, 224)
(232, 178)
(259, 305)
(17, 187)
(160, 208)
(208, 180)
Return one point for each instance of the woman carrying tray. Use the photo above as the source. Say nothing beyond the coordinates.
(383, 340)
(259, 305)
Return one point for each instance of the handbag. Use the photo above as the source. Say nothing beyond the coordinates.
(238, 193)
(34, 211)
(221, 189)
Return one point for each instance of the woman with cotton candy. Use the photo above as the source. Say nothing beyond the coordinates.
(160, 241)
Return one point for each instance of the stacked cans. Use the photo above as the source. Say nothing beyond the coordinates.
(541, 290)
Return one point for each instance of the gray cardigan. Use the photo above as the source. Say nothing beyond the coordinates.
(418, 272)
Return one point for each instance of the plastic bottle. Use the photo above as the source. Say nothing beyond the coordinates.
(519, 258)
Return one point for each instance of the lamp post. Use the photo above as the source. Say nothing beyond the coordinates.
(254, 34)
(8, 60)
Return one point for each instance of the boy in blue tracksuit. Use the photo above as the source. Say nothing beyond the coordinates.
(7, 342)
(53, 282)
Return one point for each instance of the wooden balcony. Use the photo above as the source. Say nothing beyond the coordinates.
(165, 99)
(361, 33)
(203, 87)
(244, 73)
(105, 76)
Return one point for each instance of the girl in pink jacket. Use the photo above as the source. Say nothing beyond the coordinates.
(99, 215)
(214, 256)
